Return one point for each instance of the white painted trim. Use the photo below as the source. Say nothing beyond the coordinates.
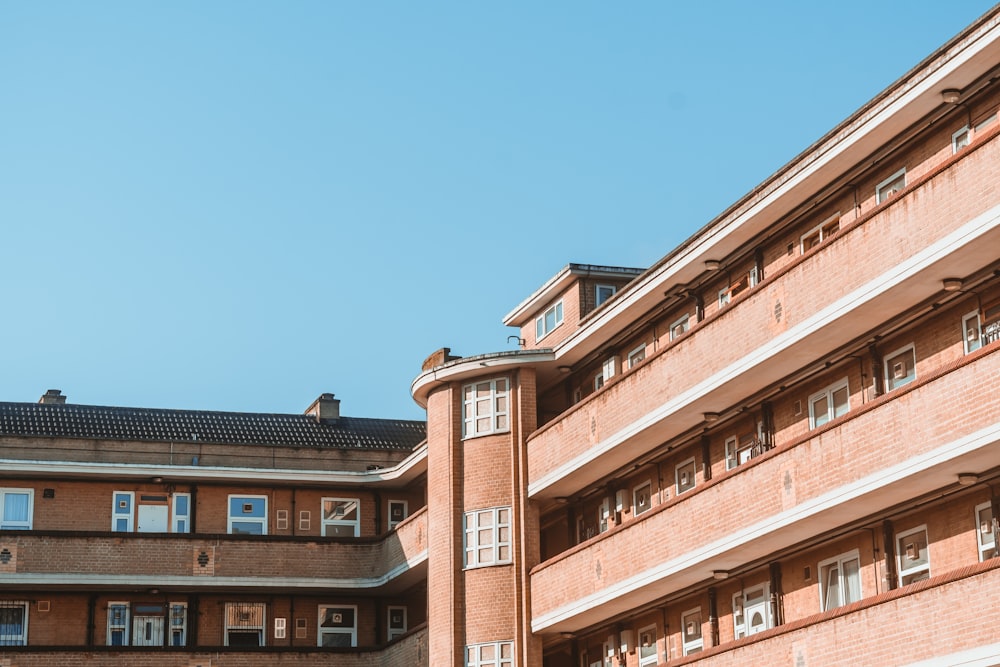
(409, 467)
(75, 580)
(965, 235)
(798, 514)
(981, 656)
(847, 137)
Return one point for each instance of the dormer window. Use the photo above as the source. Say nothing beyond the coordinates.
(548, 321)
(603, 293)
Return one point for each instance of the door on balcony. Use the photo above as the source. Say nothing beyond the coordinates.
(147, 625)
(152, 519)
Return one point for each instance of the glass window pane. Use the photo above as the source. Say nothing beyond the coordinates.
(247, 528)
(820, 411)
(840, 402)
(852, 581)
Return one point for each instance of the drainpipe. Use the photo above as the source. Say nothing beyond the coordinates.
(876, 370)
(713, 615)
(767, 418)
(194, 508)
(706, 461)
(777, 595)
(995, 508)
(889, 548)
(91, 605)
(193, 621)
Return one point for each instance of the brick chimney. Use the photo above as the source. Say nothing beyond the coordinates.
(52, 397)
(326, 409)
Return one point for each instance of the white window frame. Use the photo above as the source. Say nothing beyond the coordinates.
(355, 523)
(351, 631)
(598, 381)
(598, 300)
(683, 323)
(604, 516)
(474, 529)
(842, 584)
(16, 524)
(636, 511)
(542, 326)
(637, 356)
(650, 659)
(120, 513)
(261, 627)
(891, 381)
(690, 646)
(124, 627)
(739, 445)
(831, 407)
(20, 639)
(956, 139)
(902, 557)
(180, 522)
(474, 654)
(741, 624)
(499, 407)
(972, 324)
(399, 503)
(984, 531)
(610, 367)
(884, 190)
(677, 476)
(822, 230)
(230, 519)
(608, 649)
(400, 630)
(177, 623)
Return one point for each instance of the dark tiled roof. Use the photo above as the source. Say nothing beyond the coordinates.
(239, 428)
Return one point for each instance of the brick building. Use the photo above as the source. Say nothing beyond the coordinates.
(779, 444)
(176, 538)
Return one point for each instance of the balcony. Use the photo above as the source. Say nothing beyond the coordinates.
(74, 561)
(409, 650)
(902, 445)
(949, 606)
(946, 224)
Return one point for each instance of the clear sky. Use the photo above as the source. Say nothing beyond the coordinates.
(240, 205)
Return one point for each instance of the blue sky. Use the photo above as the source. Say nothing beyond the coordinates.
(240, 205)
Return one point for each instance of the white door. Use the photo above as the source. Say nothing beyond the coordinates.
(152, 519)
(756, 610)
(147, 630)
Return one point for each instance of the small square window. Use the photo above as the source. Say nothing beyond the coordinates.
(890, 186)
(636, 356)
(642, 498)
(603, 293)
(685, 476)
(960, 139)
(901, 368)
(678, 328)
